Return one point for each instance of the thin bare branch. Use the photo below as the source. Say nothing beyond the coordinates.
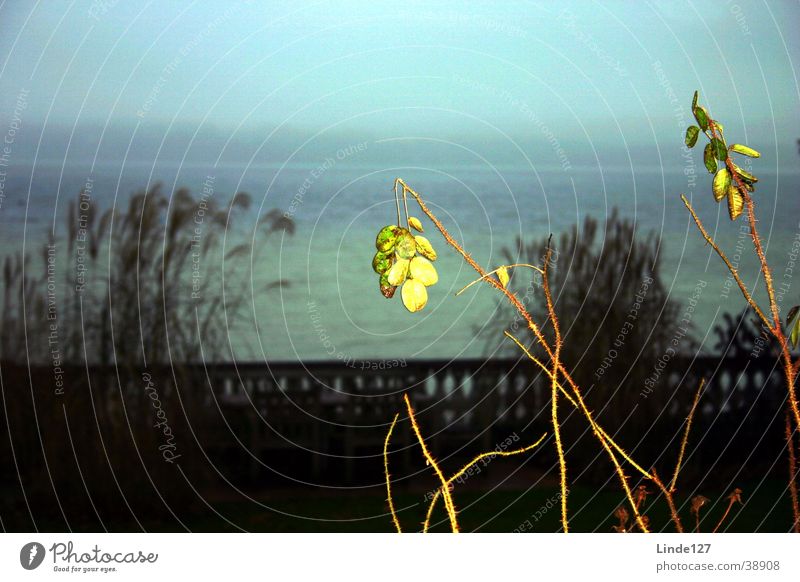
(686, 435)
(388, 478)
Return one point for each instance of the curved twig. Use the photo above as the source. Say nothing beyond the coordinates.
(466, 468)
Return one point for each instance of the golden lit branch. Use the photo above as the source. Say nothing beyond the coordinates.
(448, 499)
(388, 479)
(792, 472)
(731, 268)
(604, 440)
(686, 435)
(466, 468)
(562, 465)
(605, 435)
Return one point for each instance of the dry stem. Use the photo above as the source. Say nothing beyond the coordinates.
(388, 479)
(448, 499)
(792, 472)
(531, 325)
(466, 468)
(608, 444)
(790, 368)
(686, 435)
(562, 465)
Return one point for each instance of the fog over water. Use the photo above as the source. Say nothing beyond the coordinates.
(312, 109)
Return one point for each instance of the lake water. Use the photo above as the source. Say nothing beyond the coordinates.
(333, 308)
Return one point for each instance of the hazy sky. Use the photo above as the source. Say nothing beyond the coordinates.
(454, 68)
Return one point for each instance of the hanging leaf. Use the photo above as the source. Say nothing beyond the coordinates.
(691, 135)
(425, 248)
(744, 175)
(701, 115)
(386, 289)
(719, 149)
(423, 271)
(709, 158)
(406, 247)
(414, 223)
(398, 273)
(745, 151)
(721, 184)
(381, 262)
(795, 333)
(387, 237)
(735, 202)
(502, 276)
(414, 294)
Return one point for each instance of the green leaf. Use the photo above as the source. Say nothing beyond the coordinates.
(382, 262)
(414, 223)
(386, 238)
(694, 100)
(406, 246)
(701, 115)
(795, 333)
(719, 149)
(744, 175)
(721, 184)
(745, 151)
(691, 135)
(709, 158)
(792, 312)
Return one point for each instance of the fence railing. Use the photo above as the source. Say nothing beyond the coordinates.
(338, 410)
(318, 413)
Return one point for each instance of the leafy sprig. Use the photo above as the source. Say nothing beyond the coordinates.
(730, 180)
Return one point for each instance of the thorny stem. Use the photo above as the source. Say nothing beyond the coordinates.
(686, 435)
(388, 479)
(562, 465)
(466, 468)
(601, 435)
(775, 328)
(751, 215)
(676, 519)
(448, 499)
(605, 440)
(790, 368)
(792, 472)
(566, 394)
(731, 268)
